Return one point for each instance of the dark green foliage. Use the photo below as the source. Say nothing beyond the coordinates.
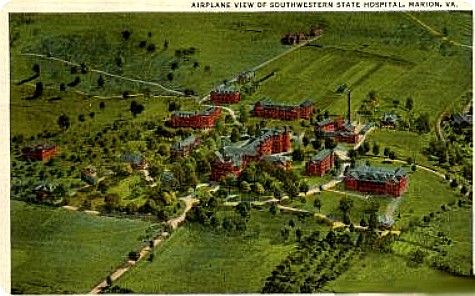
(136, 108)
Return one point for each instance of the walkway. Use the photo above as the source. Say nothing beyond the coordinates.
(173, 223)
(107, 73)
(435, 32)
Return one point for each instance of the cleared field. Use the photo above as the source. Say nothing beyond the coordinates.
(196, 260)
(426, 193)
(455, 25)
(56, 251)
(315, 73)
(388, 273)
(405, 144)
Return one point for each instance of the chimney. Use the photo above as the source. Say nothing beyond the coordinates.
(349, 106)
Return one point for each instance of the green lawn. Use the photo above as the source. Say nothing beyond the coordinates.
(426, 193)
(56, 251)
(387, 273)
(196, 260)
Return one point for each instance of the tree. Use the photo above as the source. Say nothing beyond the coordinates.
(38, 89)
(243, 114)
(136, 108)
(243, 209)
(291, 223)
(413, 168)
(386, 151)
(304, 187)
(63, 121)
(345, 205)
(317, 203)
(416, 257)
(100, 81)
(273, 209)
(375, 149)
(366, 147)
(102, 105)
(235, 135)
(409, 103)
(245, 186)
(165, 44)
(36, 68)
(151, 48)
(112, 201)
(298, 234)
(363, 223)
(392, 155)
(62, 87)
(454, 183)
(81, 118)
(422, 123)
(258, 188)
(170, 76)
(109, 281)
(298, 155)
(126, 34)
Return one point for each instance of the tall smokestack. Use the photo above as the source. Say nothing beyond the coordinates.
(349, 106)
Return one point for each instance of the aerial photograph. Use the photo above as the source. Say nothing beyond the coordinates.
(264, 152)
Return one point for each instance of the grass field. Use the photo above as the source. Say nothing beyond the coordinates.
(389, 274)
(55, 251)
(405, 144)
(426, 193)
(196, 260)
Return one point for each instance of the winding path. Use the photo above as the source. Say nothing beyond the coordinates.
(435, 32)
(189, 200)
(106, 73)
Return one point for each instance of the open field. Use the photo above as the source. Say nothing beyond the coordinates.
(227, 262)
(389, 274)
(56, 251)
(153, 59)
(405, 144)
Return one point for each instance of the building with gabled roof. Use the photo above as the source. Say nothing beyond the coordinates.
(89, 175)
(225, 94)
(196, 119)
(389, 119)
(321, 163)
(234, 159)
(185, 146)
(40, 152)
(461, 120)
(267, 109)
(338, 128)
(282, 161)
(377, 180)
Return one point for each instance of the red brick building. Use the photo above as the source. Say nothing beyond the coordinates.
(39, 152)
(197, 120)
(321, 163)
(225, 95)
(328, 125)
(185, 147)
(268, 109)
(233, 160)
(338, 129)
(294, 38)
(383, 181)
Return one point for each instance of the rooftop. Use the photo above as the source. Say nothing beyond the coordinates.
(376, 174)
(226, 88)
(207, 111)
(321, 155)
(236, 153)
(184, 143)
(270, 103)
